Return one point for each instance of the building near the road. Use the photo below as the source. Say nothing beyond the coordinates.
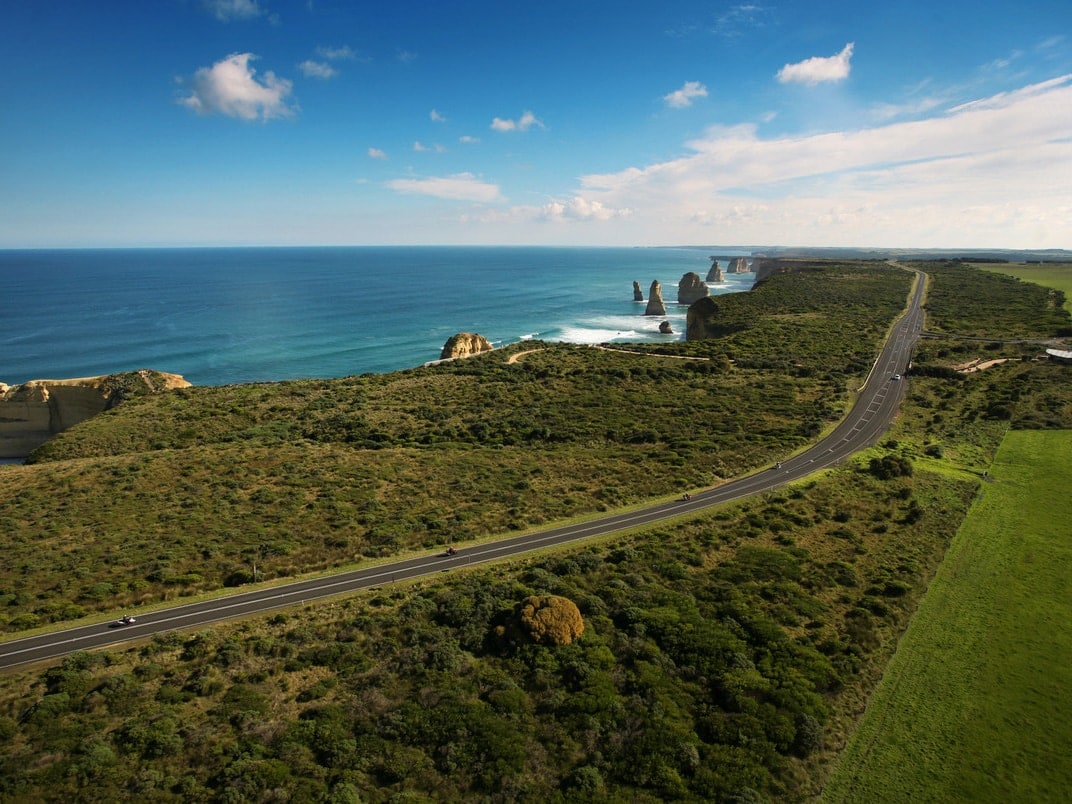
(1060, 355)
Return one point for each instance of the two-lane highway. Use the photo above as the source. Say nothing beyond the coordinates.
(869, 418)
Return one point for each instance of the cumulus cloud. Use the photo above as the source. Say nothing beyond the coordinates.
(228, 10)
(979, 172)
(459, 187)
(680, 98)
(317, 69)
(524, 123)
(230, 87)
(377, 153)
(818, 69)
(578, 208)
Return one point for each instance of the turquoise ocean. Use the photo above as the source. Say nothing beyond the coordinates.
(219, 316)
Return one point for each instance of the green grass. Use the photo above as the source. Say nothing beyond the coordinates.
(975, 705)
(1057, 276)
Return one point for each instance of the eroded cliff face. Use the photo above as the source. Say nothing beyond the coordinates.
(31, 413)
(691, 289)
(464, 344)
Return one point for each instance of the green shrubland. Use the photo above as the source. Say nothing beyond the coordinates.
(724, 657)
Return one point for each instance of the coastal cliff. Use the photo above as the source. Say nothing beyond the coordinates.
(33, 412)
(464, 344)
(713, 317)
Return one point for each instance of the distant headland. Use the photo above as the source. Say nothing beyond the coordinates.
(35, 411)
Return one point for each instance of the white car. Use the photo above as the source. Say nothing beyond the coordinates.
(895, 377)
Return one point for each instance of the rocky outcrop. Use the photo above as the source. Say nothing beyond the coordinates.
(665, 328)
(464, 344)
(738, 265)
(656, 306)
(691, 288)
(31, 413)
(715, 274)
(637, 295)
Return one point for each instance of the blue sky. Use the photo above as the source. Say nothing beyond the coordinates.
(582, 122)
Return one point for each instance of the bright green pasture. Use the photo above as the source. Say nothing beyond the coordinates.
(976, 704)
(1058, 276)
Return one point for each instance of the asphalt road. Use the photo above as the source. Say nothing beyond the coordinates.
(870, 417)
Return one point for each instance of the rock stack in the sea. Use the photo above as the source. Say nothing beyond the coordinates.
(637, 295)
(656, 306)
(691, 288)
(738, 265)
(33, 412)
(715, 274)
(464, 344)
(665, 328)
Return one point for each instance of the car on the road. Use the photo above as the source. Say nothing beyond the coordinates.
(127, 620)
(895, 377)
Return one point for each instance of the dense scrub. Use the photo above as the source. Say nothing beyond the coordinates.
(967, 301)
(718, 660)
(723, 658)
(185, 492)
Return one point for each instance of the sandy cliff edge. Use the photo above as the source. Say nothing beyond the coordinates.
(33, 412)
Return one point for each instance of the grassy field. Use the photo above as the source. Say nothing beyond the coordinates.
(1057, 276)
(975, 706)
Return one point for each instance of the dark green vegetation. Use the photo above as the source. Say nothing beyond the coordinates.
(182, 492)
(711, 656)
(723, 658)
(1052, 275)
(999, 306)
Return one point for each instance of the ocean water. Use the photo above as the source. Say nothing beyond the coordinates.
(236, 315)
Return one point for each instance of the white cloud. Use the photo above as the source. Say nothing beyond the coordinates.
(420, 147)
(468, 140)
(817, 69)
(680, 98)
(984, 173)
(436, 117)
(227, 10)
(579, 208)
(317, 69)
(524, 123)
(336, 53)
(230, 87)
(459, 187)
(377, 153)
(888, 111)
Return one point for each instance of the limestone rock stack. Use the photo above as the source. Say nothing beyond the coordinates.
(656, 306)
(691, 288)
(637, 295)
(464, 344)
(738, 265)
(715, 274)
